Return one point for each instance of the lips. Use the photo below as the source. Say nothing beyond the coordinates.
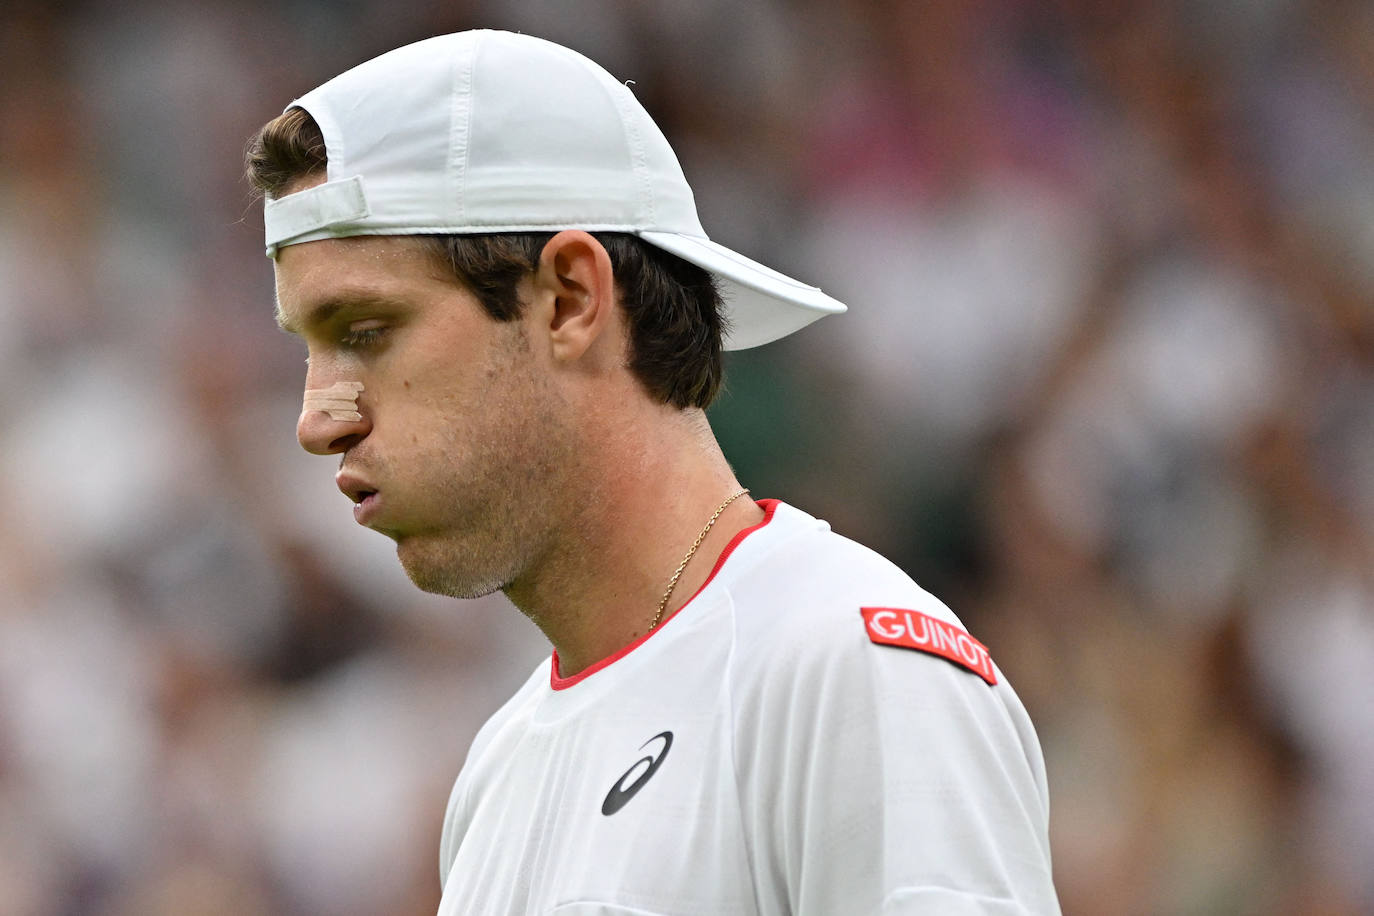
(366, 509)
(363, 493)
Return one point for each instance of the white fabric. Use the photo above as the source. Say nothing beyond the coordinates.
(811, 771)
(488, 131)
(328, 209)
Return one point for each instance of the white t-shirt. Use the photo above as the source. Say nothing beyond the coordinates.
(787, 743)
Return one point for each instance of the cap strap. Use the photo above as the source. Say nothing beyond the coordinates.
(313, 209)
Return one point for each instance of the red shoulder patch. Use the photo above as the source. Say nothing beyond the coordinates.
(891, 626)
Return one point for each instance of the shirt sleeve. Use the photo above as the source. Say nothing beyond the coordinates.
(879, 779)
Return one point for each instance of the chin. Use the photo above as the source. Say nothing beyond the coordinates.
(442, 571)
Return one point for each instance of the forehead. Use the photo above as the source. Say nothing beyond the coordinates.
(320, 275)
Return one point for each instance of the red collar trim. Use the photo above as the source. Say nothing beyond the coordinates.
(563, 683)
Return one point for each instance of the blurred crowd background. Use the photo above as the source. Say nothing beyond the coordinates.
(1106, 386)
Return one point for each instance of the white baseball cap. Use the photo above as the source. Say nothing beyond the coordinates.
(485, 131)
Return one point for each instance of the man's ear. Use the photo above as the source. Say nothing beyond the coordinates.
(575, 281)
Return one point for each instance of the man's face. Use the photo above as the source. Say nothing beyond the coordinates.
(461, 427)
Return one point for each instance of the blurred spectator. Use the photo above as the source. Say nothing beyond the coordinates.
(1106, 386)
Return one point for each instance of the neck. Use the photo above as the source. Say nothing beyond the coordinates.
(651, 488)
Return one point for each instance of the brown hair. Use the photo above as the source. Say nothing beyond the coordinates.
(673, 307)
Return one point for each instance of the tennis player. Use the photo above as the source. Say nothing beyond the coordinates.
(514, 323)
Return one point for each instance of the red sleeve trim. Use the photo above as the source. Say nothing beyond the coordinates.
(563, 683)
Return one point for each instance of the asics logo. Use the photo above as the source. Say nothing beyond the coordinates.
(645, 767)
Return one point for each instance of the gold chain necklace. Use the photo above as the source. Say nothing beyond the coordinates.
(672, 584)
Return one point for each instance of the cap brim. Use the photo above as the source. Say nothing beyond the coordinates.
(761, 304)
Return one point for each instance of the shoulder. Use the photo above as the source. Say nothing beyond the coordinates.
(823, 622)
(904, 757)
(814, 590)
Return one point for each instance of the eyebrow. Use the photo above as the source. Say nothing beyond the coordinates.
(322, 311)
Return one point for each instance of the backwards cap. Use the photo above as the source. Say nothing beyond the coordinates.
(484, 132)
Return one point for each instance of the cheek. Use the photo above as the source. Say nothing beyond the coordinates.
(445, 433)
(453, 406)
(427, 400)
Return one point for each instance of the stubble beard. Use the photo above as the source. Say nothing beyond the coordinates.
(452, 577)
(500, 499)
(481, 552)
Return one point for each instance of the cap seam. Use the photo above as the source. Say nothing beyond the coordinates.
(469, 228)
(621, 96)
(460, 125)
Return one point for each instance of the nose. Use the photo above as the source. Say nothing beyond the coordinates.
(332, 421)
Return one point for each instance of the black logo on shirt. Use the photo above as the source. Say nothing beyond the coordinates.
(620, 792)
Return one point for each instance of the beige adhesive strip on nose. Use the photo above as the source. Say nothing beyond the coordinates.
(339, 400)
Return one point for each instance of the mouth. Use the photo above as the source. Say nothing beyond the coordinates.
(365, 506)
(364, 495)
(361, 496)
